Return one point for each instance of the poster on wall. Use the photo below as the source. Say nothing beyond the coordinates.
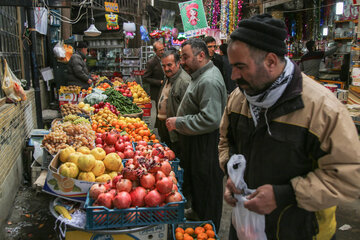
(193, 18)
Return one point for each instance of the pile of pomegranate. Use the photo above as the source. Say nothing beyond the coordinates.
(115, 142)
(144, 182)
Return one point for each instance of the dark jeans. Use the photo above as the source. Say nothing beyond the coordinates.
(233, 236)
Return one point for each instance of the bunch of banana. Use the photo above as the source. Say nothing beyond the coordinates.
(62, 211)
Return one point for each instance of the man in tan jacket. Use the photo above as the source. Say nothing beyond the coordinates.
(301, 146)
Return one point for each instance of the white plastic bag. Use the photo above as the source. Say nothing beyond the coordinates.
(59, 50)
(249, 225)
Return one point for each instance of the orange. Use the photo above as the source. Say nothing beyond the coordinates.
(179, 229)
(201, 236)
(208, 227)
(189, 231)
(188, 237)
(210, 233)
(179, 236)
(199, 230)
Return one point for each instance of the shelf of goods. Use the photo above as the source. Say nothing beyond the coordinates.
(146, 53)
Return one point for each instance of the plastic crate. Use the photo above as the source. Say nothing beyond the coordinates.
(99, 217)
(192, 224)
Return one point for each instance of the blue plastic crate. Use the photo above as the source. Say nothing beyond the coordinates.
(192, 224)
(99, 217)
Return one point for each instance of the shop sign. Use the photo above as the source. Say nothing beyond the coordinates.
(111, 7)
(193, 18)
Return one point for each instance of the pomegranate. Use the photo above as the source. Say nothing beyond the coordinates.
(173, 197)
(113, 192)
(170, 154)
(124, 185)
(159, 175)
(116, 179)
(109, 149)
(174, 180)
(122, 200)
(105, 199)
(165, 168)
(129, 153)
(147, 180)
(96, 189)
(122, 156)
(172, 173)
(119, 147)
(129, 172)
(153, 198)
(164, 185)
(111, 138)
(158, 145)
(138, 196)
(158, 152)
(174, 188)
(141, 143)
(108, 185)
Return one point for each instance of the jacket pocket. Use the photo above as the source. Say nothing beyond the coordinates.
(295, 223)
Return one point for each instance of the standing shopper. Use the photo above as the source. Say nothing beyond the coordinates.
(230, 84)
(154, 74)
(216, 58)
(197, 122)
(171, 94)
(301, 146)
(78, 73)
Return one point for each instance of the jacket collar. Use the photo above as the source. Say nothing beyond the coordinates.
(173, 78)
(201, 70)
(291, 99)
(81, 54)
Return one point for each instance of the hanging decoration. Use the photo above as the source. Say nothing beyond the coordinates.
(112, 21)
(193, 18)
(129, 31)
(215, 14)
(174, 33)
(231, 16)
(239, 11)
(144, 34)
(223, 15)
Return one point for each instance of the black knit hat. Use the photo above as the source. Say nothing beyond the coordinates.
(263, 32)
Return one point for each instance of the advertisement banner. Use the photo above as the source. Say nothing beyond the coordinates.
(193, 18)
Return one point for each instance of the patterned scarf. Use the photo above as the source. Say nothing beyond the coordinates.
(270, 96)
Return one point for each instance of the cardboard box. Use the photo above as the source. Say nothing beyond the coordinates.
(68, 188)
(159, 232)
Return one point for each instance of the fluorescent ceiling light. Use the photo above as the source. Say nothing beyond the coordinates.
(339, 8)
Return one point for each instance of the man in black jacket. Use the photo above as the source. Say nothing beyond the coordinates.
(78, 73)
(216, 58)
(154, 74)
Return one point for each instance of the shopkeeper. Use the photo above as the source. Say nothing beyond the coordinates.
(78, 73)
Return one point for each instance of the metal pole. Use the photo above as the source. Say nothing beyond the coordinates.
(34, 68)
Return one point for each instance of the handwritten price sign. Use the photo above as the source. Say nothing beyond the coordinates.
(111, 7)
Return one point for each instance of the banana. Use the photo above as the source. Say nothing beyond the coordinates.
(62, 211)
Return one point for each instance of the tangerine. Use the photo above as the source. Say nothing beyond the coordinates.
(179, 229)
(208, 227)
(210, 233)
(202, 236)
(199, 230)
(189, 231)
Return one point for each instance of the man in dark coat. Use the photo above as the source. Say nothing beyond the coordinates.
(230, 84)
(78, 73)
(216, 58)
(154, 74)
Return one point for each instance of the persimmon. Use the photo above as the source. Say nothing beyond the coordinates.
(199, 230)
(179, 229)
(179, 236)
(189, 231)
(202, 236)
(208, 227)
(188, 237)
(210, 233)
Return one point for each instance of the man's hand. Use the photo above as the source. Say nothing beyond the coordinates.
(170, 123)
(230, 189)
(262, 201)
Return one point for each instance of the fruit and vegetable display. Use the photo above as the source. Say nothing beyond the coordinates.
(122, 103)
(200, 232)
(103, 80)
(67, 134)
(74, 109)
(69, 89)
(89, 165)
(85, 106)
(75, 119)
(102, 105)
(95, 97)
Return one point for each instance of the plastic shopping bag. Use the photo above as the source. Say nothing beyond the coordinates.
(249, 225)
(11, 85)
(59, 50)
